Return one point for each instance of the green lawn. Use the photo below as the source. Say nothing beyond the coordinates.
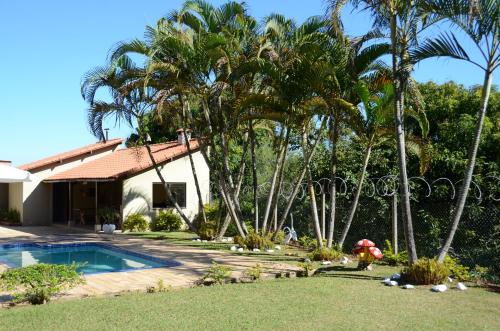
(340, 298)
(288, 254)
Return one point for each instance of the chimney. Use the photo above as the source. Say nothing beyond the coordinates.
(180, 136)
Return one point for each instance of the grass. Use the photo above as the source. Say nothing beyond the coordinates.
(338, 299)
(288, 254)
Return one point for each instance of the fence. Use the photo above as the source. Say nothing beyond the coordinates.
(378, 213)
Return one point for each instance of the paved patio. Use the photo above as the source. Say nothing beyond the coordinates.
(194, 261)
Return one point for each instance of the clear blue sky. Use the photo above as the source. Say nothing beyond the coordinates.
(48, 45)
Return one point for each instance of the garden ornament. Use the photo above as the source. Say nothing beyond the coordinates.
(367, 252)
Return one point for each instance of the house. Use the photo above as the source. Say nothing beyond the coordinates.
(72, 186)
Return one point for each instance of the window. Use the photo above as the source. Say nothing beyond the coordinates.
(160, 198)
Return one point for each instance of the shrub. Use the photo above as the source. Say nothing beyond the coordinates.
(280, 237)
(207, 231)
(39, 282)
(254, 272)
(457, 270)
(394, 259)
(166, 221)
(238, 240)
(255, 240)
(307, 268)
(307, 242)
(324, 254)
(425, 271)
(135, 222)
(159, 288)
(217, 273)
(11, 216)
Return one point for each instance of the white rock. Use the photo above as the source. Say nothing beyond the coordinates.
(326, 262)
(270, 250)
(439, 288)
(204, 241)
(198, 239)
(224, 240)
(233, 248)
(393, 283)
(387, 281)
(256, 250)
(229, 239)
(450, 279)
(461, 286)
(408, 286)
(240, 249)
(277, 247)
(343, 262)
(396, 276)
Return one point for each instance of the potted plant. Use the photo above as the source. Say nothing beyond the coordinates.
(108, 216)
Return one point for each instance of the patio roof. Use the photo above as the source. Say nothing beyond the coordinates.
(62, 157)
(123, 163)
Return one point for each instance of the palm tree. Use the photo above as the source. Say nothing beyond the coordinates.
(480, 21)
(374, 130)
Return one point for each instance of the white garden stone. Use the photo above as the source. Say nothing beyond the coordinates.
(387, 281)
(461, 286)
(199, 240)
(393, 283)
(256, 250)
(326, 262)
(270, 250)
(439, 288)
(408, 286)
(450, 279)
(240, 249)
(224, 240)
(345, 260)
(204, 241)
(277, 247)
(234, 248)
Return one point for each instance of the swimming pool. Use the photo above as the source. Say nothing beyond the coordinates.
(91, 258)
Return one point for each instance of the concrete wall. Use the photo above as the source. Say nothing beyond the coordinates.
(36, 196)
(4, 196)
(138, 190)
(16, 197)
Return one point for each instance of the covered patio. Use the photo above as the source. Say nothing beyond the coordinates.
(77, 203)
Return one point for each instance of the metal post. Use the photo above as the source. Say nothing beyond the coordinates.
(395, 223)
(323, 209)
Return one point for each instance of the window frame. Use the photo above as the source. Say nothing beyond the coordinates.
(168, 205)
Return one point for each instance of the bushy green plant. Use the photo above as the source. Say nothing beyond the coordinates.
(307, 242)
(167, 221)
(254, 272)
(425, 271)
(307, 268)
(255, 240)
(159, 288)
(240, 241)
(457, 270)
(394, 259)
(135, 222)
(37, 283)
(11, 216)
(280, 237)
(217, 274)
(207, 231)
(324, 254)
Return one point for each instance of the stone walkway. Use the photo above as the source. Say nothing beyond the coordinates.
(194, 261)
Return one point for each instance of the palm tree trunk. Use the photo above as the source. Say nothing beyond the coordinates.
(469, 171)
(254, 177)
(314, 209)
(298, 183)
(354, 205)
(333, 191)
(272, 191)
(400, 142)
(168, 193)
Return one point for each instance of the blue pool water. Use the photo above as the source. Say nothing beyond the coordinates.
(90, 257)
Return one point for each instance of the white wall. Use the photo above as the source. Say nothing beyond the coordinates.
(36, 196)
(138, 190)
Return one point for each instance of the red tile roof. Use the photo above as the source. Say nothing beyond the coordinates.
(60, 158)
(123, 163)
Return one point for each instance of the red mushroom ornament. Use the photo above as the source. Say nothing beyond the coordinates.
(367, 252)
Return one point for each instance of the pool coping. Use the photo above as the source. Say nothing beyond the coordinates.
(163, 262)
